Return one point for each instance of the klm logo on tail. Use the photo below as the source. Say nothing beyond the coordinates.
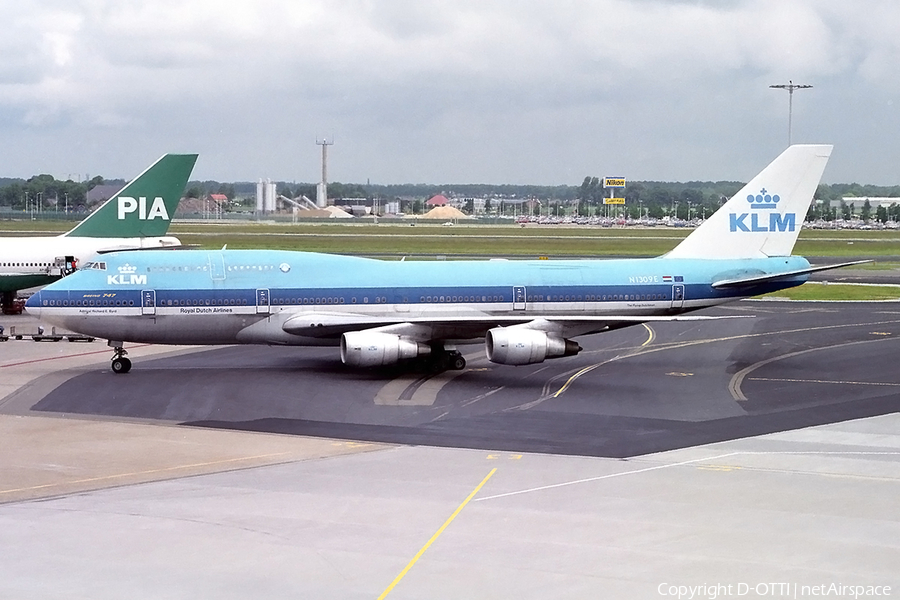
(157, 208)
(760, 202)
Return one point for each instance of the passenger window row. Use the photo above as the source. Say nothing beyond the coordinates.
(206, 302)
(88, 303)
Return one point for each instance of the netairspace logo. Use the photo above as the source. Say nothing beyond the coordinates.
(762, 201)
(772, 590)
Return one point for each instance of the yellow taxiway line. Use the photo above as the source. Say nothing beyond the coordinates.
(435, 536)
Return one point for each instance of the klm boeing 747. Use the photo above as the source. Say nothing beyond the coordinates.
(385, 312)
(138, 216)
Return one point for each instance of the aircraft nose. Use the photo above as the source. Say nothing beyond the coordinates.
(33, 304)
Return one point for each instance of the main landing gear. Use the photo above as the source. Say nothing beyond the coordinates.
(457, 361)
(442, 360)
(120, 364)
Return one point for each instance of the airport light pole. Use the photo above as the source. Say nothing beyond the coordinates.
(790, 86)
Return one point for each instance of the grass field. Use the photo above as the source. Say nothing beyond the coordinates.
(474, 240)
(838, 292)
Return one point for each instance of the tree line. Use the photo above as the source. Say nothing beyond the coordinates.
(44, 191)
(655, 199)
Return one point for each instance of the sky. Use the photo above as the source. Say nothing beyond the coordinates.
(468, 91)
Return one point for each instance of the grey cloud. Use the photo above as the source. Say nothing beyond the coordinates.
(467, 91)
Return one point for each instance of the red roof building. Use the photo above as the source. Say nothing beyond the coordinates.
(438, 200)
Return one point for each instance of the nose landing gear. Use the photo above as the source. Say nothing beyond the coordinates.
(120, 364)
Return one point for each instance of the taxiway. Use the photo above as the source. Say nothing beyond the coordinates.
(750, 450)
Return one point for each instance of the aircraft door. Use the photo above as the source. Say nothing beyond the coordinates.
(262, 301)
(64, 265)
(148, 302)
(401, 303)
(216, 266)
(677, 296)
(519, 297)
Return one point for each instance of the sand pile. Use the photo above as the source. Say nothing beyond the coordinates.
(338, 213)
(444, 213)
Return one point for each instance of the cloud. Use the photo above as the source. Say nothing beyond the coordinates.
(436, 91)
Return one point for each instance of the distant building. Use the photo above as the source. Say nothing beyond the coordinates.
(856, 203)
(347, 202)
(463, 204)
(512, 205)
(101, 193)
(437, 200)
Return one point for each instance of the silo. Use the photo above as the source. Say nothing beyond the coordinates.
(270, 196)
(260, 200)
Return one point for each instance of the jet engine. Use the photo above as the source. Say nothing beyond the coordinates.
(374, 349)
(520, 346)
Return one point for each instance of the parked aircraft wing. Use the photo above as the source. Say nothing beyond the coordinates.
(426, 328)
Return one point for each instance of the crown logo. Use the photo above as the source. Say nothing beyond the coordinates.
(763, 200)
(127, 269)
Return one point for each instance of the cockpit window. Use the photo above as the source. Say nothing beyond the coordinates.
(100, 266)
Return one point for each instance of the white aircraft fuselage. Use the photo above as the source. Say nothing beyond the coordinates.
(136, 217)
(41, 260)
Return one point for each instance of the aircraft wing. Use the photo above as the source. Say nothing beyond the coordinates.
(132, 249)
(753, 279)
(427, 328)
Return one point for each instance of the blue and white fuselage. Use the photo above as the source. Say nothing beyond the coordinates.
(260, 296)
(383, 312)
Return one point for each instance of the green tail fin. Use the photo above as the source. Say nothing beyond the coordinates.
(145, 206)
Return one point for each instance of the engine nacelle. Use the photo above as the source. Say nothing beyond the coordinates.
(375, 349)
(520, 346)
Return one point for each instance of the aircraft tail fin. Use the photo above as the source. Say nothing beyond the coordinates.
(764, 218)
(145, 206)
